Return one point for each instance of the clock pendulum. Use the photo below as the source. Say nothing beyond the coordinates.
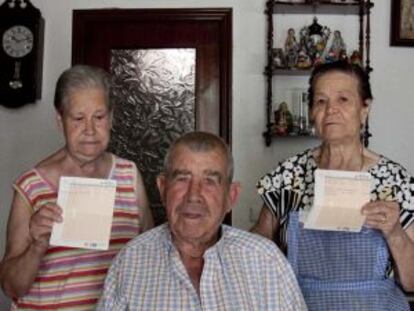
(16, 83)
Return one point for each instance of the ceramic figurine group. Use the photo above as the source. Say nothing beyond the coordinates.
(311, 50)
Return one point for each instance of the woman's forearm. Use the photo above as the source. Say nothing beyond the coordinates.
(17, 274)
(402, 250)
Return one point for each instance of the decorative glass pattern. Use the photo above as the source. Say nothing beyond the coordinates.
(154, 103)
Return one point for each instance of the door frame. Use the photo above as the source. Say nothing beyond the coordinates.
(222, 16)
(209, 115)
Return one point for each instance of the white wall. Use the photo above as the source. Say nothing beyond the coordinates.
(29, 133)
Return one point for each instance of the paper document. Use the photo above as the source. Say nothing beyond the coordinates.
(339, 197)
(88, 205)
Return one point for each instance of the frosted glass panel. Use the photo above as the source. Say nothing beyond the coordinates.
(154, 103)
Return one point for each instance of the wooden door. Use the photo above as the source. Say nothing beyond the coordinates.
(145, 122)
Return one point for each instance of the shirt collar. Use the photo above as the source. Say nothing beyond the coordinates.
(217, 247)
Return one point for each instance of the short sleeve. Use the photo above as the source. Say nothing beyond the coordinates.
(278, 192)
(393, 182)
(112, 298)
(289, 186)
(406, 200)
(268, 188)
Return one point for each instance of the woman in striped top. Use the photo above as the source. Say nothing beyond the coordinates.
(35, 274)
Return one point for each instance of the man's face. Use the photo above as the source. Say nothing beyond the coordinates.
(196, 194)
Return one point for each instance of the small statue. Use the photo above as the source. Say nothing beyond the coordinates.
(318, 60)
(304, 61)
(278, 58)
(283, 119)
(356, 58)
(338, 45)
(330, 57)
(303, 35)
(291, 48)
(295, 130)
(314, 38)
(342, 56)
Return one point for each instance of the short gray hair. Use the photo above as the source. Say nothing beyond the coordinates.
(80, 77)
(201, 142)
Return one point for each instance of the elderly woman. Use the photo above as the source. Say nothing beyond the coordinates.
(35, 274)
(343, 270)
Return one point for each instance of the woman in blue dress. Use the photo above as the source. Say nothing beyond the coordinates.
(343, 270)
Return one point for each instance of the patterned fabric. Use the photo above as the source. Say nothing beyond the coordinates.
(342, 270)
(242, 271)
(72, 278)
(290, 187)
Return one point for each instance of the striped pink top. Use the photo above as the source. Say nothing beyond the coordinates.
(72, 278)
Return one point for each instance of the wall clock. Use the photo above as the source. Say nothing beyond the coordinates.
(21, 53)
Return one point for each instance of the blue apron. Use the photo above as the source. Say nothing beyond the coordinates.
(342, 270)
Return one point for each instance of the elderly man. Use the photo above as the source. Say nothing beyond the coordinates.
(193, 262)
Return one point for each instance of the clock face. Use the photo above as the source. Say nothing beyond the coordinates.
(17, 41)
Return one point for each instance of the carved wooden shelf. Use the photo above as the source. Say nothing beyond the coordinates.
(360, 8)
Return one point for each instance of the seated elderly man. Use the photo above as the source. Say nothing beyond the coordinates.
(193, 262)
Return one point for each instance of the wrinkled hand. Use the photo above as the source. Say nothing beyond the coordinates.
(382, 215)
(41, 224)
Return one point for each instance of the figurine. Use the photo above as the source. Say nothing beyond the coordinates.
(314, 37)
(356, 58)
(291, 48)
(338, 45)
(278, 58)
(318, 60)
(304, 61)
(283, 119)
(295, 130)
(342, 56)
(330, 57)
(304, 34)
